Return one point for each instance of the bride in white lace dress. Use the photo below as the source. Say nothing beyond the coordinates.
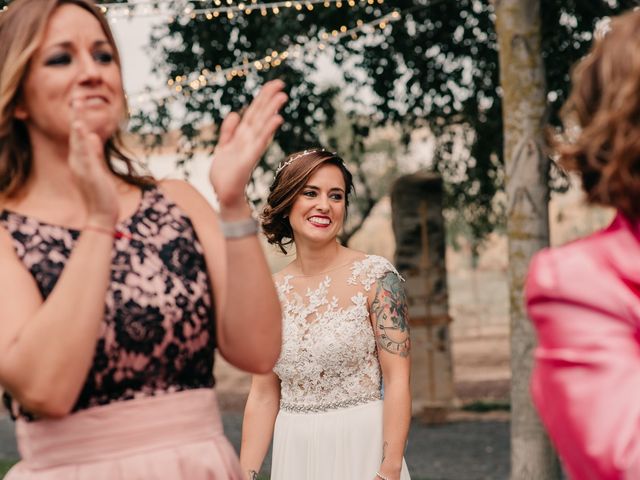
(345, 342)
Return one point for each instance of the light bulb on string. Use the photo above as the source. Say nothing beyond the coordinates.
(114, 10)
(184, 83)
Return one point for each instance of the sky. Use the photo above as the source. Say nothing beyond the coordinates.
(132, 35)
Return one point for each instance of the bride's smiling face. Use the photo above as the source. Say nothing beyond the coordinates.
(318, 212)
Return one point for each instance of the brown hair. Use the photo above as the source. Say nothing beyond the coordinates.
(604, 105)
(22, 27)
(291, 177)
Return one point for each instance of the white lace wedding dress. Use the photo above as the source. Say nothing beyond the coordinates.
(330, 421)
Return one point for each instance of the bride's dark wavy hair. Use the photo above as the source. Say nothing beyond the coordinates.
(290, 179)
(601, 118)
(22, 28)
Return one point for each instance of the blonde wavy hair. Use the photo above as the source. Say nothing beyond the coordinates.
(601, 118)
(22, 28)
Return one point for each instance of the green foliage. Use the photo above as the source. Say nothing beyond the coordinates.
(5, 465)
(437, 68)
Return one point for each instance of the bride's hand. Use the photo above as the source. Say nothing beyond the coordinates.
(243, 140)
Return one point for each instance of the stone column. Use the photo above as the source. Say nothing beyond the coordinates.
(418, 226)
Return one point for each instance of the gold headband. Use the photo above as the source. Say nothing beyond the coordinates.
(301, 154)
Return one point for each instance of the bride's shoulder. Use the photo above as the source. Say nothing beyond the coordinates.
(369, 269)
(366, 261)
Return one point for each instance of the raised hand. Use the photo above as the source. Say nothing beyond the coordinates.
(243, 140)
(87, 163)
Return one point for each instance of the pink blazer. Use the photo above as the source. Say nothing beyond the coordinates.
(584, 300)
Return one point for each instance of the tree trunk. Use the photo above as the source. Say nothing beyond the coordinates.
(524, 103)
(419, 230)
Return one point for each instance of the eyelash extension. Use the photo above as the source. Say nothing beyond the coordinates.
(336, 196)
(104, 57)
(58, 59)
(65, 58)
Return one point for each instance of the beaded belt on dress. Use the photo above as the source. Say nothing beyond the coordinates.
(325, 407)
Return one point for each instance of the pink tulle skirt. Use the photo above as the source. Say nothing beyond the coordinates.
(174, 436)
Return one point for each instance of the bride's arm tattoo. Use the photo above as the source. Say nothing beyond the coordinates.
(391, 316)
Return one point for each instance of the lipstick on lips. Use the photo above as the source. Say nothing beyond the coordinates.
(319, 221)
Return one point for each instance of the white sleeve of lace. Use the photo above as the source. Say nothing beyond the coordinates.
(368, 271)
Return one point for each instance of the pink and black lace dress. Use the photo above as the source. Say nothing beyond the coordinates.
(157, 339)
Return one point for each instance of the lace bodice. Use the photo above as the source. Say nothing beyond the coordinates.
(158, 332)
(329, 357)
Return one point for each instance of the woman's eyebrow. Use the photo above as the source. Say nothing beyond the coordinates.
(68, 44)
(313, 187)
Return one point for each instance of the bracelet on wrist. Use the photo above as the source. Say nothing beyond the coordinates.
(240, 228)
(112, 232)
(382, 477)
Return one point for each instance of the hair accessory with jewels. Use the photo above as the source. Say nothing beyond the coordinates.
(301, 154)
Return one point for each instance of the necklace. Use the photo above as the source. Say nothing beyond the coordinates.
(324, 271)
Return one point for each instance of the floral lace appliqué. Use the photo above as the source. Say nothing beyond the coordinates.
(369, 270)
(329, 357)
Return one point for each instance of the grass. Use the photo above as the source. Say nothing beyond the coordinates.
(5, 465)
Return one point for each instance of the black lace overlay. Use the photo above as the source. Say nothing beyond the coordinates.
(158, 332)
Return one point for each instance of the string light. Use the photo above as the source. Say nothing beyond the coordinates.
(146, 3)
(184, 83)
(164, 8)
(167, 8)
